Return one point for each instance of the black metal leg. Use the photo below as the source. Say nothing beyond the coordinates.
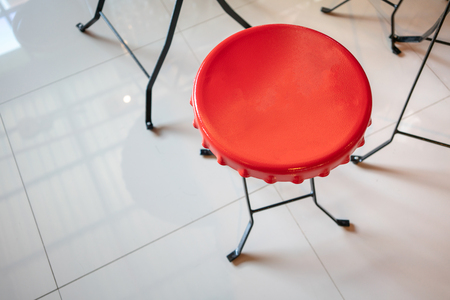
(164, 51)
(233, 14)
(411, 39)
(162, 56)
(233, 255)
(94, 19)
(356, 158)
(98, 14)
(328, 10)
(393, 36)
(340, 222)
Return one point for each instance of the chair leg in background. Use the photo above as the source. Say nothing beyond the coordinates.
(162, 56)
(328, 10)
(82, 27)
(233, 14)
(358, 158)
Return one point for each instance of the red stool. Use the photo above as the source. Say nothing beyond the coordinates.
(281, 103)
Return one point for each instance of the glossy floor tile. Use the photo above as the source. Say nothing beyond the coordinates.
(95, 206)
(168, 270)
(88, 164)
(396, 234)
(45, 45)
(23, 259)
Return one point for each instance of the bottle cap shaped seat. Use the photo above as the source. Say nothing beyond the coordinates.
(281, 103)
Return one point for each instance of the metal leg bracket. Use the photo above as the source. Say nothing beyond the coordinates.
(235, 253)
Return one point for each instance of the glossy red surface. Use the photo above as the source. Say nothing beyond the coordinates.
(281, 103)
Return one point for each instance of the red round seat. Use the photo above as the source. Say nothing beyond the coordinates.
(281, 103)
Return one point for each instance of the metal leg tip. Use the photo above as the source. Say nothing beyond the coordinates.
(80, 27)
(356, 159)
(343, 223)
(232, 256)
(205, 152)
(149, 125)
(395, 50)
(325, 10)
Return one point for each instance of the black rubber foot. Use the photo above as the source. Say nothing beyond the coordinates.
(232, 256)
(356, 159)
(149, 125)
(395, 50)
(326, 10)
(205, 152)
(343, 223)
(81, 27)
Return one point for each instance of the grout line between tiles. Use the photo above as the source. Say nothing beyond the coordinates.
(202, 22)
(315, 253)
(84, 70)
(155, 240)
(205, 21)
(408, 116)
(426, 107)
(428, 66)
(118, 56)
(190, 48)
(219, 15)
(167, 9)
(60, 79)
(40, 297)
(28, 199)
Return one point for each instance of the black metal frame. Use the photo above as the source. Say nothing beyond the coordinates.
(395, 38)
(233, 255)
(173, 22)
(357, 158)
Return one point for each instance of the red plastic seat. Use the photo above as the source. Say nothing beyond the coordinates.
(281, 103)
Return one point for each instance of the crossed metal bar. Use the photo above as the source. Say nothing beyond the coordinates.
(173, 22)
(235, 253)
(395, 38)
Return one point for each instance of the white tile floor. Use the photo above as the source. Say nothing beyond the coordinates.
(94, 206)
